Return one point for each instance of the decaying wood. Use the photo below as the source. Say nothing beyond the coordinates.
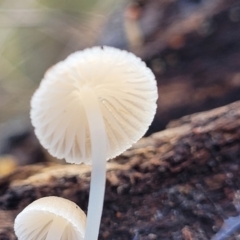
(193, 48)
(180, 183)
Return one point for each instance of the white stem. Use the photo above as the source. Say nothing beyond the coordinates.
(57, 228)
(98, 177)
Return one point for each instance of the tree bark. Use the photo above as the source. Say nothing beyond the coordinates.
(192, 46)
(181, 183)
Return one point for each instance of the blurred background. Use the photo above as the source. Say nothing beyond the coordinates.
(192, 46)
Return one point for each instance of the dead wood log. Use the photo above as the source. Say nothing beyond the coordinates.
(192, 46)
(180, 183)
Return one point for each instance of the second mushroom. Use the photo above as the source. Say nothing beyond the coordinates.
(90, 108)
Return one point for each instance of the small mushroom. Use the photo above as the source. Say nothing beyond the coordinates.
(51, 218)
(90, 108)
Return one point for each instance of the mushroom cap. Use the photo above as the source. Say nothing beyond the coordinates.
(35, 220)
(126, 91)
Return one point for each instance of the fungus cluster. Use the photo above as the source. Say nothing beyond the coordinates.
(90, 108)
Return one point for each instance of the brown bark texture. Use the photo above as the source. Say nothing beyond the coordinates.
(182, 183)
(192, 46)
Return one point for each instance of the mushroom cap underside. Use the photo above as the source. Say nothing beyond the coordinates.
(36, 219)
(126, 91)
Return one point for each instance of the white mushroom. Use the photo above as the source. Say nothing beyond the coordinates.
(51, 218)
(91, 107)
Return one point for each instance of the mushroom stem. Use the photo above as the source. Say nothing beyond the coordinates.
(98, 177)
(57, 228)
